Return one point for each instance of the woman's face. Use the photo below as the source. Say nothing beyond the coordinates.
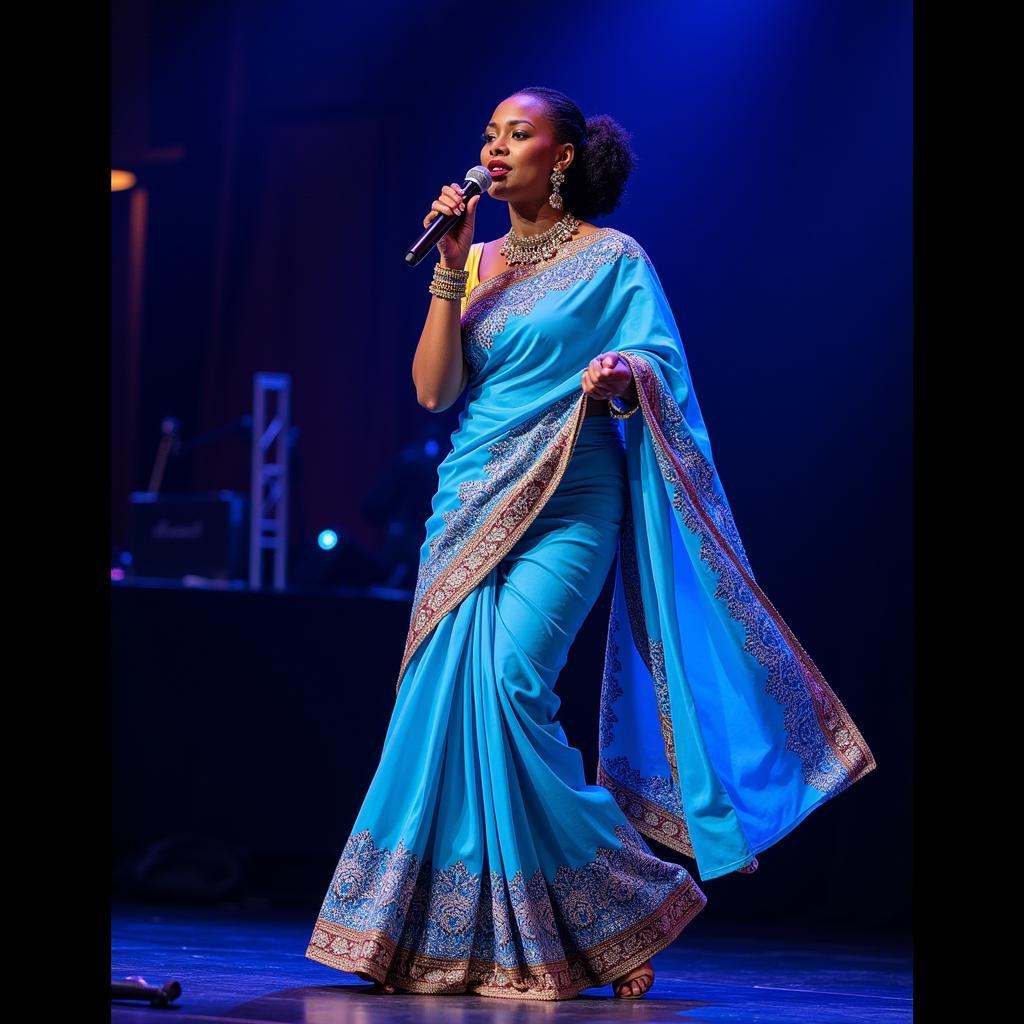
(522, 138)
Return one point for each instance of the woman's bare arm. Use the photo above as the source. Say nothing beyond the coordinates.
(439, 370)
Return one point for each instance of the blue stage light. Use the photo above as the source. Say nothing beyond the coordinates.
(327, 539)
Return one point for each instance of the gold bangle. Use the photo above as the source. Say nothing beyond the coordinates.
(442, 293)
(619, 414)
(449, 283)
(451, 273)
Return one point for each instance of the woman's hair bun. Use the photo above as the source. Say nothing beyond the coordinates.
(603, 160)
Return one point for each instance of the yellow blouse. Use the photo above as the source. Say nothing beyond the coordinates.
(473, 266)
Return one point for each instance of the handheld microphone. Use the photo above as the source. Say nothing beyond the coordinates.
(478, 180)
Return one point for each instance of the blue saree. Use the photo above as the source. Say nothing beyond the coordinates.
(481, 860)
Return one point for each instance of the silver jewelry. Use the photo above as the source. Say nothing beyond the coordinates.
(534, 248)
(555, 199)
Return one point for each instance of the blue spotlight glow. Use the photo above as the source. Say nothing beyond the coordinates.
(327, 539)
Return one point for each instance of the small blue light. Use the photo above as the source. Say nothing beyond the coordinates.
(431, 448)
(327, 539)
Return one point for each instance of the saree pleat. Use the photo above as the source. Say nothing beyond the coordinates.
(481, 860)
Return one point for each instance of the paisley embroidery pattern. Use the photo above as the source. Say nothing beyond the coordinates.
(648, 803)
(434, 930)
(819, 730)
(525, 471)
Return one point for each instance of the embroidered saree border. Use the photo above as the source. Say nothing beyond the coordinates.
(652, 652)
(681, 468)
(647, 817)
(514, 275)
(653, 819)
(371, 952)
(602, 927)
(495, 537)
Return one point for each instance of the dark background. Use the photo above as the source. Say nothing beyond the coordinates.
(287, 154)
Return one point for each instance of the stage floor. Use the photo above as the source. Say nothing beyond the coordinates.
(248, 965)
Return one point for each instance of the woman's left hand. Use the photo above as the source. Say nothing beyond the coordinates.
(607, 376)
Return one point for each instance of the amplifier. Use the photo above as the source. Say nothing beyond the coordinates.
(175, 535)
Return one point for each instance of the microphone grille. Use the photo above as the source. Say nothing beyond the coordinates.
(481, 176)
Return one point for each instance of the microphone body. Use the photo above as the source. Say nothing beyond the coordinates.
(477, 181)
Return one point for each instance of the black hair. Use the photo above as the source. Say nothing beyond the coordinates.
(603, 159)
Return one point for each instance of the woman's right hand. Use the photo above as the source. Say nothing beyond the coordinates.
(454, 245)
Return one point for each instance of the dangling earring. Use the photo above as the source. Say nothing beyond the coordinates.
(555, 199)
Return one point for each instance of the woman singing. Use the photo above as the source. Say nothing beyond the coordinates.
(481, 861)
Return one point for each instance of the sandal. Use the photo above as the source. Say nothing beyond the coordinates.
(643, 976)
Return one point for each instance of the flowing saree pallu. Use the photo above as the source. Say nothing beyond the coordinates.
(718, 734)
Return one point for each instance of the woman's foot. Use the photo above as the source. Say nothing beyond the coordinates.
(378, 986)
(636, 982)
